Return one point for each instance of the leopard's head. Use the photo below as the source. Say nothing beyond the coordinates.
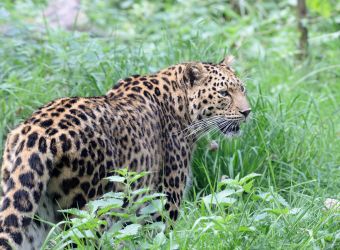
(217, 97)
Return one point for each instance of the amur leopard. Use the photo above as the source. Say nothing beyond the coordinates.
(60, 156)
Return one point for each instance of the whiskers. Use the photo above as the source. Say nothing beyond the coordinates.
(211, 125)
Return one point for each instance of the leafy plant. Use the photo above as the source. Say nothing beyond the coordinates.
(242, 215)
(128, 210)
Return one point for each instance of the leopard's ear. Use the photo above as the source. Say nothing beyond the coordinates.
(193, 73)
(228, 60)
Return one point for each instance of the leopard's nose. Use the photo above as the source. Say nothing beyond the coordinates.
(245, 112)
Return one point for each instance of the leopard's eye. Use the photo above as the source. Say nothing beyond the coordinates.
(224, 93)
(242, 89)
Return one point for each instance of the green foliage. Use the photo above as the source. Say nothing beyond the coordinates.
(85, 228)
(237, 187)
(240, 215)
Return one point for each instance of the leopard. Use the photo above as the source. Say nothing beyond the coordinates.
(61, 156)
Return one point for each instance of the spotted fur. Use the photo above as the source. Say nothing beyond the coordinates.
(60, 156)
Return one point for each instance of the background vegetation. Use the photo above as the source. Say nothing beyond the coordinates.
(292, 140)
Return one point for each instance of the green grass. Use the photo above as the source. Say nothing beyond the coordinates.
(292, 139)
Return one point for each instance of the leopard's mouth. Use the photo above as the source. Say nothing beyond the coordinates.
(230, 129)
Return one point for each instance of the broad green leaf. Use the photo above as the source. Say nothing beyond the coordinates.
(159, 239)
(120, 215)
(116, 178)
(122, 171)
(85, 223)
(229, 182)
(220, 198)
(117, 195)
(157, 226)
(226, 201)
(106, 204)
(140, 191)
(248, 187)
(106, 209)
(138, 176)
(225, 193)
(248, 177)
(129, 230)
(149, 197)
(153, 207)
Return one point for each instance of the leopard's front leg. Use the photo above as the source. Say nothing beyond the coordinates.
(176, 174)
